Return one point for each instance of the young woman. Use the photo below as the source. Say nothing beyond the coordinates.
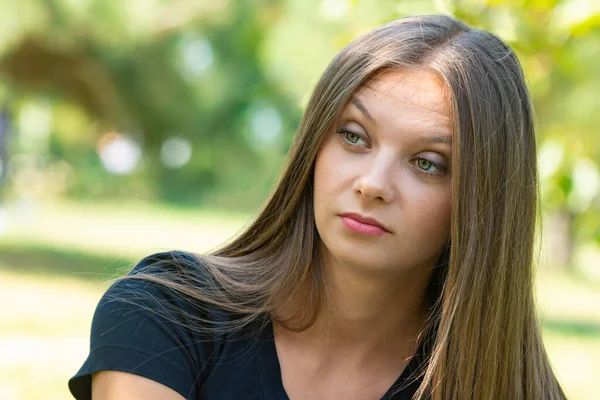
(393, 260)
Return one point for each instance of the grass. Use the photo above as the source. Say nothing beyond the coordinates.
(119, 229)
(44, 336)
(56, 261)
(570, 311)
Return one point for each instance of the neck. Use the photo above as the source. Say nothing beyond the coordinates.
(368, 314)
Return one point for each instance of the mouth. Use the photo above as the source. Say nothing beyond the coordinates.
(363, 224)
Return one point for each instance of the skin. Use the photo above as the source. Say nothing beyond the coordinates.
(389, 158)
(379, 162)
(116, 385)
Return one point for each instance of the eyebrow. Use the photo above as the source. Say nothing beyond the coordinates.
(444, 139)
(362, 108)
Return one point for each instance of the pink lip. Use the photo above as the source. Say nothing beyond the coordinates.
(362, 224)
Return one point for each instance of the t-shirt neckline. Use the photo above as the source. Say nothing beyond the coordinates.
(272, 381)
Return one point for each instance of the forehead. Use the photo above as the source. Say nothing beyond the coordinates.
(420, 92)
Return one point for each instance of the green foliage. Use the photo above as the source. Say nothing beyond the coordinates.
(151, 72)
(230, 80)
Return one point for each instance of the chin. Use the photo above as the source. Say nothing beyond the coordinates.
(366, 259)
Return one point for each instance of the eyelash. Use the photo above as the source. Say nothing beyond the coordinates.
(343, 133)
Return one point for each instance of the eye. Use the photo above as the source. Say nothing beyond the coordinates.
(352, 137)
(352, 140)
(429, 167)
(425, 164)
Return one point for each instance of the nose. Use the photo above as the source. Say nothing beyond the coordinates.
(377, 180)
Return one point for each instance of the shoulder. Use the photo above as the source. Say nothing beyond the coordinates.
(145, 324)
(163, 284)
(170, 262)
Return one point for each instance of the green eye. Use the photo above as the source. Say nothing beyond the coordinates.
(424, 164)
(352, 137)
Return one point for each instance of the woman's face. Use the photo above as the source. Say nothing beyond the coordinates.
(382, 189)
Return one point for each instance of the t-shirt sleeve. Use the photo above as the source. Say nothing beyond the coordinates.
(137, 328)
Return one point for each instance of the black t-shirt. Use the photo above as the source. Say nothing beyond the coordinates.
(127, 336)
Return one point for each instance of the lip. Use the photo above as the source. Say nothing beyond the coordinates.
(363, 224)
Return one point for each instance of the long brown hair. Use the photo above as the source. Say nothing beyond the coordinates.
(485, 339)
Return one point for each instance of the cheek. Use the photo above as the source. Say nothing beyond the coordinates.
(329, 173)
(329, 186)
(425, 208)
(321, 175)
(432, 216)
(321, 183)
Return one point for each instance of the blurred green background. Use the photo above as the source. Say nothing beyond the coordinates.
(129, 127)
